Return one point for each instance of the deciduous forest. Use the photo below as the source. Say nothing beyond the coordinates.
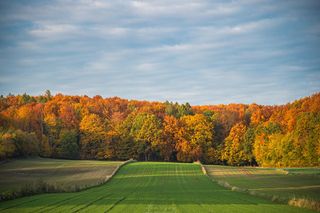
(80, 127)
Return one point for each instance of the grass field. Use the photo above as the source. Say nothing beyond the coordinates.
(150, 187)
(65, 174)
(284, 184)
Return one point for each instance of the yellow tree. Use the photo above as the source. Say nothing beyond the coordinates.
(262, 142)
(52, 121)
(194, 137)
(92, 137)
(146, 130)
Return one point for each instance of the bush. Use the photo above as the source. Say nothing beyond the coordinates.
(305, 203)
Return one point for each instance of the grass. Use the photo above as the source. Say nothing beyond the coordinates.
(150, 187)
(25, 176)
(293, 185)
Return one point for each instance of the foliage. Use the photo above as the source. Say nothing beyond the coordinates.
(118, 129)
(92, 136)
(67, 146)
(194, 138)
(7, 145)
(14, 143)
(234, 150)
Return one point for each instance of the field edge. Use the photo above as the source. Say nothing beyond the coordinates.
(296, 202)
(43, 187)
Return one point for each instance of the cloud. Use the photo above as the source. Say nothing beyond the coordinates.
(55, 30)
(197, 51)
(156, 8)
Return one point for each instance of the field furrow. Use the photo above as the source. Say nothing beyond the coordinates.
(150, 187)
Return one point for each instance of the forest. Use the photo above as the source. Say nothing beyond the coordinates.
(81, 127)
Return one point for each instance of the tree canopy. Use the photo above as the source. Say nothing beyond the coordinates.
(80, 127)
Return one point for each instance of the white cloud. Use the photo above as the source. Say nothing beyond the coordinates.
(235, 29)
(54, 30)
(199, 51)
(155, 8)
(223, 10)
(110, 31)
(148, 66)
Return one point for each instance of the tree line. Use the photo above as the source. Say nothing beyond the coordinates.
(80, 127)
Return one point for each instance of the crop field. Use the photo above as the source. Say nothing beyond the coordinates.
(66, 174)
(150, 187)
(285, 183)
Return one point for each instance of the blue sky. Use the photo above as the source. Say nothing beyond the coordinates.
(201, 52)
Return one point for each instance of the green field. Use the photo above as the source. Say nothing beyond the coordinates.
(65, 174)
(150, 187)
(283, 183)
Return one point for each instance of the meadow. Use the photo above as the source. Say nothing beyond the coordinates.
(282, 184)
(151, 187)
(28, 175)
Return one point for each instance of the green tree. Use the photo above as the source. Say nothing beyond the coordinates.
(27, 144)
(178, 110)
(67, 146)
(125, 148)
(146, 130)
(247, 146)
(48, 95)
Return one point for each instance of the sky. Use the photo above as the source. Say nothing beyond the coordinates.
(201, 52)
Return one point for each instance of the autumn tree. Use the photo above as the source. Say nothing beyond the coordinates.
(119, 129)
(233, 151)
(52, 122)
(7, 145)
(194, 138)
(92, 137)
(307, 136)
(170, 133)
(68, 116)
(262, 142)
